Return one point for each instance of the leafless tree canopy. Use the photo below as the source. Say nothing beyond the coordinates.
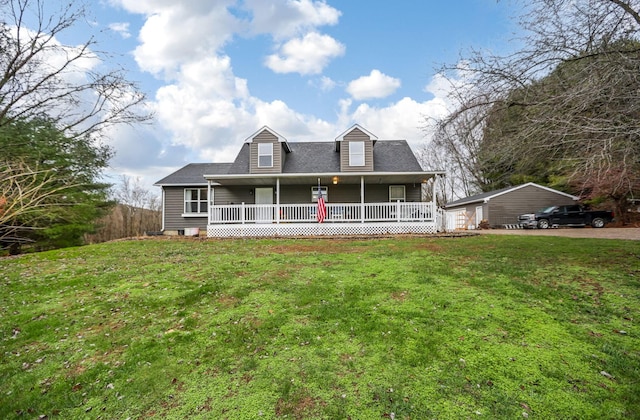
(25, 194)
(41, 77)
(563, 109)
(137, 212)
(55, 101)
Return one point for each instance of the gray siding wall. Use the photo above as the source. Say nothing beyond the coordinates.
(173, 209)
(506, 208)
(356, 135)
(289, 194)
(266, 137)
(344, 193)
(233, 195)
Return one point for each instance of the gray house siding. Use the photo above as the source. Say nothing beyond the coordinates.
(344, 193)
(506, 208)
(414, 194)
(356, 135)
(232, 195)
(174, 208)
(266, 137)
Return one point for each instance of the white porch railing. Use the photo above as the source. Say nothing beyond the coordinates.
(336, 212)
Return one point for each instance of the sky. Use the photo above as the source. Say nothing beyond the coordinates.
(215, 71)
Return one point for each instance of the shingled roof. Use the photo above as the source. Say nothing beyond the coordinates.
(193, 174)
(305, 157)
(485, 197)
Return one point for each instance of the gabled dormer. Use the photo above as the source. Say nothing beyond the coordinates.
(267, 150)
(356, 149)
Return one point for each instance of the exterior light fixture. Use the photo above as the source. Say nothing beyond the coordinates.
(335, 180)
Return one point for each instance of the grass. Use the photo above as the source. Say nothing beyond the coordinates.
(486, 326)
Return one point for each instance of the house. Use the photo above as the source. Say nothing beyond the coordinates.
(501, 208)
(272, 188)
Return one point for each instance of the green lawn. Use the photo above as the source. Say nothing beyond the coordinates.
(475, 327)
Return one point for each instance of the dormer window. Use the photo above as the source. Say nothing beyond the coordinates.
(265, 155)
(356, 153)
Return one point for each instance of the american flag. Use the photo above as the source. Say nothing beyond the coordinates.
(322, 208)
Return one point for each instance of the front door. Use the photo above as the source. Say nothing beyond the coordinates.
(479, 216)
(264, 205)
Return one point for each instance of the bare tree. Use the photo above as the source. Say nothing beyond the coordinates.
(24, 193)
(55, 102)
(455, 146)
(137, 212)
(564, 107)
(40, 76)
(136, 199)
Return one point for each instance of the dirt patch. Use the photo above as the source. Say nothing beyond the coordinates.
(301, 407)
(228, 301)
(399, 296)
(632, 233)
(326, 246)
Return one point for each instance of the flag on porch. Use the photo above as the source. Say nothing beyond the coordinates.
(322, 208)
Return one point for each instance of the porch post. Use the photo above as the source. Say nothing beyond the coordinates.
(433, 198)
(209, 201)
(361, 198)
(278, 200)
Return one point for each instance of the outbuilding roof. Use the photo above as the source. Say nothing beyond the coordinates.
(487, 196)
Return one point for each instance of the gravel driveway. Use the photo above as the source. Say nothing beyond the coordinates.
(586, 232)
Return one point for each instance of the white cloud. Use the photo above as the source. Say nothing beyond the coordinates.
(326, 84)
(121, 28)
(205, 111)
(375, 85)
(212, 77)
(306, 55)
(288, 18)
(404, 119)
(176, 33)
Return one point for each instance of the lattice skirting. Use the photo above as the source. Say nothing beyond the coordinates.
(318, 229)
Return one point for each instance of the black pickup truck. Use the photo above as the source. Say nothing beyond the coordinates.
(573, 215)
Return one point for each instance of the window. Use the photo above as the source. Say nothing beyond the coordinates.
(396, 192)
(265, 155)
(356, 153)
(195, 200)
(314, 194)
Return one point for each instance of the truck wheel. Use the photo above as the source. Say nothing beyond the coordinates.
(597, 222)
(543, 223)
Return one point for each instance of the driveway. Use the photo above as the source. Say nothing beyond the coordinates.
(586, 232)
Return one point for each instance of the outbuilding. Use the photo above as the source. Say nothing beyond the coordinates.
(501, 208)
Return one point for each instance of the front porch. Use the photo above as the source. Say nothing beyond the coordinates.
(254, 220)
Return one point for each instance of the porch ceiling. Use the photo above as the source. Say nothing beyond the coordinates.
(325, 179)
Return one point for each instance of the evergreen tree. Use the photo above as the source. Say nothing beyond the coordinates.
(65, 171)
